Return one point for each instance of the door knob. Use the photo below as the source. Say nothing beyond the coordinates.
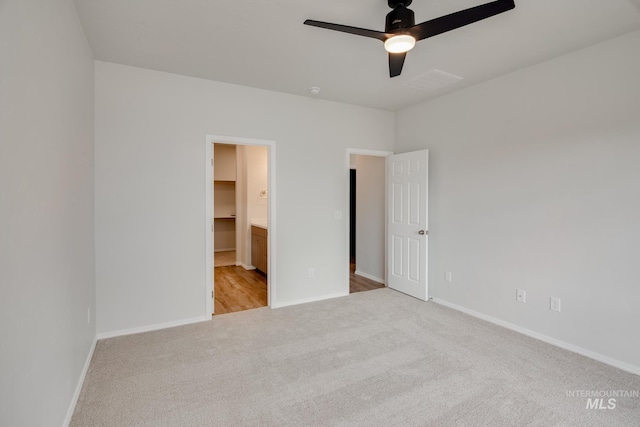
(423, 232)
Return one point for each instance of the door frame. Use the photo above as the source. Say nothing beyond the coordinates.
(271, 216)
(372, 153)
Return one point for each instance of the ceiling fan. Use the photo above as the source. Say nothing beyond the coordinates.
(401, 33)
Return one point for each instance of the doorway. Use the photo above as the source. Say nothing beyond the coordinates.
(240, 208)
(366, 232)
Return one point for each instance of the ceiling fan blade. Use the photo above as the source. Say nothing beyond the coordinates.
(460, 19)
(347, 29)
(396, 61)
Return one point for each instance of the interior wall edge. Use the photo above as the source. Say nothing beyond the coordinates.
(83, 374)
(153, 327)
(545, 338)
(308, 300)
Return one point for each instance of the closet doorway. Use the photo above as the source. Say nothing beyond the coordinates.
(366, 224)
(240, 235)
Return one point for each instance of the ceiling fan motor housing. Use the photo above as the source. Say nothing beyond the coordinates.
(394, 3)
(399, 18)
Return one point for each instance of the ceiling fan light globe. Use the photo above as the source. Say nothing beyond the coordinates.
(399, 44)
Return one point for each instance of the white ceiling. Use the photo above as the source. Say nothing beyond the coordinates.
(263, 43)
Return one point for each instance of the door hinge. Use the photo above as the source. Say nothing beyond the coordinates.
(211, 162)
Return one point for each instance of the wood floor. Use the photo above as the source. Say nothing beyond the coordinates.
(237, 289)
(224, 258)
(359, 283)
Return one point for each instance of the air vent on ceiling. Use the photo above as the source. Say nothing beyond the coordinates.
(433, 81)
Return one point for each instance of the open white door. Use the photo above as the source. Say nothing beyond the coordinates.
(407, 233)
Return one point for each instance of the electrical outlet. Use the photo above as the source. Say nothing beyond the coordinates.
(312, 273)
(521, 295)
(447, 276)
(555, 304)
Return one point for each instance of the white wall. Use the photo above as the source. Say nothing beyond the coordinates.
(243, 236)
(257, 163)
(46, 210)
(534, 184)
(225, 162)
(370, 215)
(151, 132)
(253, 164)
(253, 161)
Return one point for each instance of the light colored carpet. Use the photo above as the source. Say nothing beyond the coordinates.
(372, 358)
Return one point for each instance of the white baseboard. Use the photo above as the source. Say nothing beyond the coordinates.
(76, 394)
(549, 340)
(370, 277)
(308, 300)
(245, 266)
(155, 327)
